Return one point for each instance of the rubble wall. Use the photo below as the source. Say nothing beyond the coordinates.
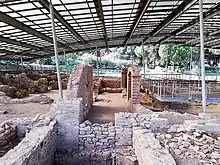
(71, 112)
(68, 115)
(7, 134)
(96, 136)
(171, 122)
(38, 147)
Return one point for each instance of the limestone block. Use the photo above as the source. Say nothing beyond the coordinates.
(149, 151)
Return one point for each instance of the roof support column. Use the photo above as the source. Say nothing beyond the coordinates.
(202, 56)
(56, 51)
(132, 57)
(143, 56)
(100, 62)
(22, 67)
(97, 61)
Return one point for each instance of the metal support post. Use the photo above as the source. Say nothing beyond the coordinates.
(56, 52)
(22, 66)
(100, 62)
(132, 59)
(202, 56)
(143, 57)
(173, 86)
(64, 54)
(97, 61)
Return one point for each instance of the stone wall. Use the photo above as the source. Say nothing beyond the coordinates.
(7, 134)
(107, 84)
(124, 123)
(68, 115)
(38, 147)
(71, 112)
(192, 147)
(149, 151)
(96, 136)
(111, 82)
(80, 85)
(171, 122)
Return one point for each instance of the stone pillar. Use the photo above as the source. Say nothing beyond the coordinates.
(124, 77)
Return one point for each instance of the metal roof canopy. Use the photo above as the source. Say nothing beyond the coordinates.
(25, 25)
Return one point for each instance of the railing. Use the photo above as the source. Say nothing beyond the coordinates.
(107, 72)
(179, 76)
(175, 87)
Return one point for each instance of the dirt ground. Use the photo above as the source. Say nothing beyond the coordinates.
(107, 104)
(28, 109)
(104, 109)
(193, 108)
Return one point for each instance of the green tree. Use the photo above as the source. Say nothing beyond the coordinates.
(175, 55)
(149, 57)
(47, 61)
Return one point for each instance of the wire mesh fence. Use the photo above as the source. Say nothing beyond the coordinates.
(180, 88)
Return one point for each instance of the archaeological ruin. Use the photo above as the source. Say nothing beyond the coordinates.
(109, 82)
(139, 136)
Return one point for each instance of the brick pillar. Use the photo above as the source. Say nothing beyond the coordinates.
(133, 81)
(135, 89)
(129, 86)
(124, 77)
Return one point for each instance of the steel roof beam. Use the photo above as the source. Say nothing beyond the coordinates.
(19, 25)
(59, 17)
(206, 15)
(22, 44)
(142, 8)
(99, 11)
(8, 53)
(185, 5)
(14, 42)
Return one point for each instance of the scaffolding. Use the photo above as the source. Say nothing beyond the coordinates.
(178, 88)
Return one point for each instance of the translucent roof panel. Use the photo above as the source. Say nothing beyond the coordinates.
(25, 26)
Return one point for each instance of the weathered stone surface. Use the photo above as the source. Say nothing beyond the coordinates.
(96, 136)
(38, 147)
(53, 84)
(42, 85)
(149, 151)
(189, 147)
(9, 91)
(80, 85)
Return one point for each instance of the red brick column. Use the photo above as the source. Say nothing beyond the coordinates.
(129, 86)
(135, 90)
(134, 73)
(124, 77)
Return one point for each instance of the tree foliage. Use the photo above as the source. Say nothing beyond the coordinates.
(175, 55)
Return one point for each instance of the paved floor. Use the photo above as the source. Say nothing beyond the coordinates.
(107, 104)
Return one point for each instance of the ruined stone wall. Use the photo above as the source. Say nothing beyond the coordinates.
(111, 82)
(124, 123)
(96, 136)
(161, 121)
(38, 147)
(68, 115)
(149, 151)
(80, 85)
(7, 134)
